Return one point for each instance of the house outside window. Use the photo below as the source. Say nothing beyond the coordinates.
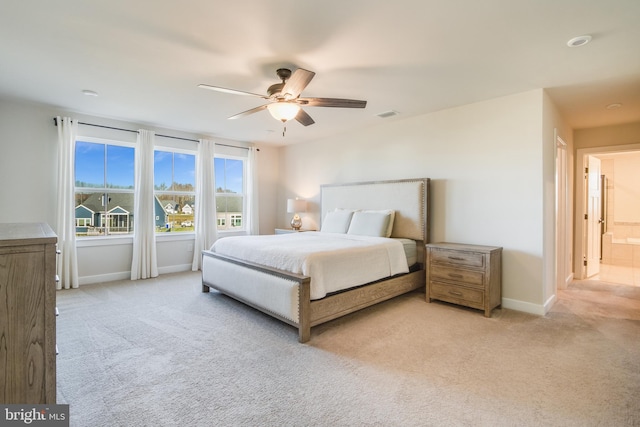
(236, 220)
(230, 185)
(104, 187)
(174, 185)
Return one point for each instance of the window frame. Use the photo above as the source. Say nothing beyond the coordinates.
(104, 190)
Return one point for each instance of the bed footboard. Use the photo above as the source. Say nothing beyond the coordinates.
(287, 296)
(280, 294)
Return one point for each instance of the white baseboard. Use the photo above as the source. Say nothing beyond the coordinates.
(526, 307)
(549, 303)
(174, 269)
(124, 275)
(99, 278)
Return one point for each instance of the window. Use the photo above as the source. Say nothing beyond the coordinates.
(84, 222)
(174, 185)
(104, 174)
(230, 189)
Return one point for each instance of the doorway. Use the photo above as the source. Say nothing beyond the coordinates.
(616, 233)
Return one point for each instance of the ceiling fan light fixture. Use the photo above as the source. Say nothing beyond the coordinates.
(283, 111)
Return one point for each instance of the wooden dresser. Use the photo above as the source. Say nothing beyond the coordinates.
(468, 275)
(27, 313)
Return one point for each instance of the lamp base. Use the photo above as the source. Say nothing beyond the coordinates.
(296, 222)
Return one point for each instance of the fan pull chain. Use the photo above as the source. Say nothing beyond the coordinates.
(284, 130)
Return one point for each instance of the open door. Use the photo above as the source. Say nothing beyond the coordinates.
(593, 217)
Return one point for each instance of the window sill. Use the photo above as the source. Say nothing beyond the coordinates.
(172, 237)
(87, 242)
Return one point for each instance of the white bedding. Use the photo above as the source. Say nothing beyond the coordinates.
(333, 261)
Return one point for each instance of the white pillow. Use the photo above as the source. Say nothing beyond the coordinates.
(370, 223)
(392, 217)
(337, 221)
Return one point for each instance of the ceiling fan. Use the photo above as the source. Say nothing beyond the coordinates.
(285, 101)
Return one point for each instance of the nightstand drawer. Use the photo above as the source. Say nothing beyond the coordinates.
(470, 259)
(457, 294)
(472, 278)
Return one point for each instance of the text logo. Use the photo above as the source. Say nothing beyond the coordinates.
(34, 415)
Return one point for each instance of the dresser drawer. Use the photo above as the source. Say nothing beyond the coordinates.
(469, 277)
(469, 259)
(456, 294)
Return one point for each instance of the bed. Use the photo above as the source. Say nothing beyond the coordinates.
(292, 296)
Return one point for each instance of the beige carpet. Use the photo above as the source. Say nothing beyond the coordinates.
(160, 353)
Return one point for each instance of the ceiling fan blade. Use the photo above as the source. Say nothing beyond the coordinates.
(332, 102)
(304, 118)
(296, 83)
(231, 91)
(246, 113)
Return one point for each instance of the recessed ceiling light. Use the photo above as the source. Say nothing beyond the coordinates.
(90, 92)
(614, 106)
(579, 41)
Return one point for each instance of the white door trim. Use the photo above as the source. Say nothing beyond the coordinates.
(563, 224)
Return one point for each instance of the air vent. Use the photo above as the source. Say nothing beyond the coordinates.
(386, 114)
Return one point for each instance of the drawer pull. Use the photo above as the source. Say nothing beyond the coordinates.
(455, 258)
(455, 276)
(456, 293)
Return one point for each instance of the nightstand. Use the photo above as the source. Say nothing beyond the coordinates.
(468, 275)
(290, 230)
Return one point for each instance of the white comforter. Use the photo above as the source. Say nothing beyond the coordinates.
(333, 261)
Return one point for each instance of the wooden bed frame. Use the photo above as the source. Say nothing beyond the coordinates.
(286, 296)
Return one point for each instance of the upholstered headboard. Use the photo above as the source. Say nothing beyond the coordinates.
(409, 198)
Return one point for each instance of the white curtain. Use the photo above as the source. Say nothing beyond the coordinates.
(144, 262)
(205, 214)
(67, 262)
(253, 224)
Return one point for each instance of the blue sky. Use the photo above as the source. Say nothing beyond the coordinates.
(183, 166)
(90, 164)
(229, 174)
(90, 167)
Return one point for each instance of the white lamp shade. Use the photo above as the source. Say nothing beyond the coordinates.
(296, 205)
(283, 111)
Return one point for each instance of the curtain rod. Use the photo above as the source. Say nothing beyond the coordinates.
(55, 122)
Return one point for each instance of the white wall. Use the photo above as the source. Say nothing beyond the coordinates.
(27, 156)
(486, 165)
(28, 140)
(626, 176)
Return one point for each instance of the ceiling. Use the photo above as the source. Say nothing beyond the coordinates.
(145, 59)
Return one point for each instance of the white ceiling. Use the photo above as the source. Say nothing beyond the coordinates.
(145, 58)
